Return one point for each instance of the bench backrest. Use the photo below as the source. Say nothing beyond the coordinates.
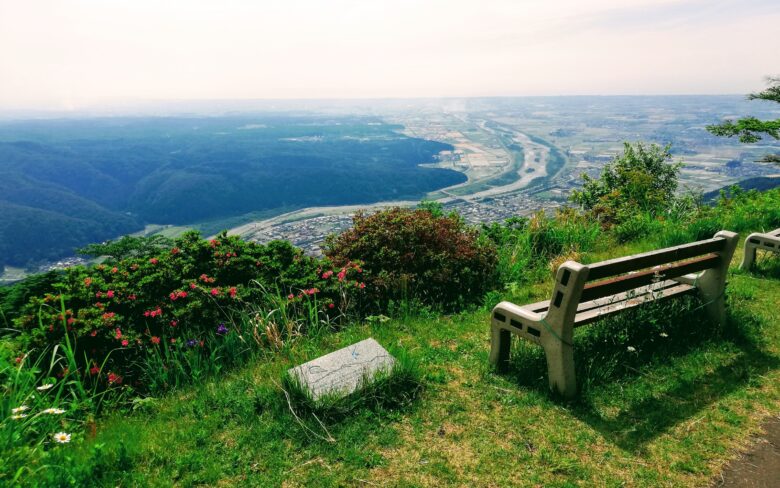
(576, 283)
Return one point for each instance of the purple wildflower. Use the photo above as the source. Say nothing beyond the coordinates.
(192, 343)
(221, 329)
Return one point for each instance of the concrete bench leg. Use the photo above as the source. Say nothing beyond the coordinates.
(749, 257)
(560, 363)
(500, 344)
(712, 283)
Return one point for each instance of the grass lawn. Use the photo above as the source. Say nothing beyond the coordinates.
(670, 413)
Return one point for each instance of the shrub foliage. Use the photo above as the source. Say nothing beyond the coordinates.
(417, 254)
(640, 180)
(182, 295)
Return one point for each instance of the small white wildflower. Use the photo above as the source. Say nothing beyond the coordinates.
(664, 334)
(631, 349)
(45, 387)
(55, 411)
(62, 437)
(20, 409)
(19, 416)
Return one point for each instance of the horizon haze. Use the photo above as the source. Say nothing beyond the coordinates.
(79, 55)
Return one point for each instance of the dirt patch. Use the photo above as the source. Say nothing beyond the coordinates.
(760, 466)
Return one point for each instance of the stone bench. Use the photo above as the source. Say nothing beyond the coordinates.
(769, 241)
(583, 294)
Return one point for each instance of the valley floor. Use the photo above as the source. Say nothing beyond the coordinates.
(676, 420)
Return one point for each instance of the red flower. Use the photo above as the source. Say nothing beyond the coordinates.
(182, 294)
(327, 275)
(71, 320)
(114, 378)
(110, 293)
(362, 285)
(154, 261)
(290, 296)
(114, 269)
(193, 286)
(118, 333)
(147, 313)
(94, 370)
(215, 292)
(330, 305)
(87, 281)
(131, 297)
(173, 340)
(98, 294)
(214, 243)
(155, 340)
(93, 333)
(173, 296)
(174, 323)
(125, 343)
(233, 292)
(175, 251)
(108, 315)
(342, 274)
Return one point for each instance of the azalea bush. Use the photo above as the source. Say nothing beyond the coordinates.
(185, 294)
(417, 254)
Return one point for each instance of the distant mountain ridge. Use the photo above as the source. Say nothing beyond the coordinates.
(67, 183)
(762, 183)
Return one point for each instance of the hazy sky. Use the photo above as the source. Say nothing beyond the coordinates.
(66, 54)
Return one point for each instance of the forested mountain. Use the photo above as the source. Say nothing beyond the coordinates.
(66, 183)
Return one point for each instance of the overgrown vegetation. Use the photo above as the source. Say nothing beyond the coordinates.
(185, 343)
(638, 182)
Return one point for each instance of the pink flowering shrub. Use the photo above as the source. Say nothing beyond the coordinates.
(119, 309)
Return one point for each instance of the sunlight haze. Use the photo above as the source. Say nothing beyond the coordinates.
(71, 54)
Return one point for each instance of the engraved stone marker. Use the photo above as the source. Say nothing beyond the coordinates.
(345, 370)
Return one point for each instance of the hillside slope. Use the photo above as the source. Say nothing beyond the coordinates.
(106, 177)
(673, 420)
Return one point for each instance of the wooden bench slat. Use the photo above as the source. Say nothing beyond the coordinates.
(613, 286)
(543, 306)
(612, 267)
(594, 314)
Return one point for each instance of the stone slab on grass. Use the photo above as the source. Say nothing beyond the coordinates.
(344, 371)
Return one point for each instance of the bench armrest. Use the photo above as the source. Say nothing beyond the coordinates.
(521, 313)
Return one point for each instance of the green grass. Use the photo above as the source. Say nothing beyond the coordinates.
(663, 415)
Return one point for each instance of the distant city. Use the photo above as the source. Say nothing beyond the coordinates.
(526, 155)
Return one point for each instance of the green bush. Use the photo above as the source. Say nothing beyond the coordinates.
(417, 254)
(640, 180)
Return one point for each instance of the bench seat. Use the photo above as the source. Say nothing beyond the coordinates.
(585, 293)
(593, 310)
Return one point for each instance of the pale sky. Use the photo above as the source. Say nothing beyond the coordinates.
(71, 54)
